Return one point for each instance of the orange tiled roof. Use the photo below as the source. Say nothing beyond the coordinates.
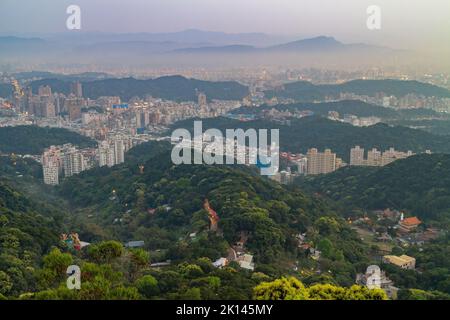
(411, 221)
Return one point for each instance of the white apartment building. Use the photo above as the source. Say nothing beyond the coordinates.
(51, 173)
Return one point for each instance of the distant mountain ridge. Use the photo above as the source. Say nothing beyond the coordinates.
(189, 41)
(196, 48)
(306, 91)
(321, 44)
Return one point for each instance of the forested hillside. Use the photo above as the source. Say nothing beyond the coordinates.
(33, 139)
(306, 91)
(418, 184)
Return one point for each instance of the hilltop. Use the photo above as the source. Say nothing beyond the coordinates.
(33, 140)
(306, 91)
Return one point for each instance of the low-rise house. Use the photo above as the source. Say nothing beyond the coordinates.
(315, 254)
(161, 264)
(246, 262)
(220, 263)
(135, 244)
(403, 261)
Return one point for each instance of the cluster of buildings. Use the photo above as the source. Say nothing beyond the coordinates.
(375, 278)
(117, 126)
(409, 101)
(313, 163)
(46, 104)
(376, 158)
(276, 114)
(65, 161)
(96, 118)
(322, 162)
(238, 253)
(354, 120)
(112, 151)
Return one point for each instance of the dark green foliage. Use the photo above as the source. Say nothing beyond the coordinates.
(306, 91)
(6, 90)
(33, 140)
(26, 232)
(419, 184)
(175, 88)
(343, 107)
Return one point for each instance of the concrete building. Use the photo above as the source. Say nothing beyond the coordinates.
(376, 158)
(76, 89)
(320, 162)
(73, 105)
(73, 162)
(51, 173)
(106, 154)
(403, 261)
(202, 101)
(374, 278)
(357, 156)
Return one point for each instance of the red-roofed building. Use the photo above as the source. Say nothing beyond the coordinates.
(409, 224)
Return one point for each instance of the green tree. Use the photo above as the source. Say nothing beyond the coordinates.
(105, 252)
(147, 286)
(5, 283)
(57, 261)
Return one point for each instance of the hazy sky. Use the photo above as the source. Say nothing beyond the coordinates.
(405, 23)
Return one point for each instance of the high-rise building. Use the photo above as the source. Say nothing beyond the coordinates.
(202, 101)
(112, 151)
(59, 160)
(106, 154)
(356, 156)
(45, 109)
(74, 106)
(76, 89)
(320, 162)
(51, 165)
(51, 173)
(119, 151)
(45, 91)
(374, 158)
(73, 162)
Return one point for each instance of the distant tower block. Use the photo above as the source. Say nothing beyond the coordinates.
(202, 100)
(141, 169)
(76, 89)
